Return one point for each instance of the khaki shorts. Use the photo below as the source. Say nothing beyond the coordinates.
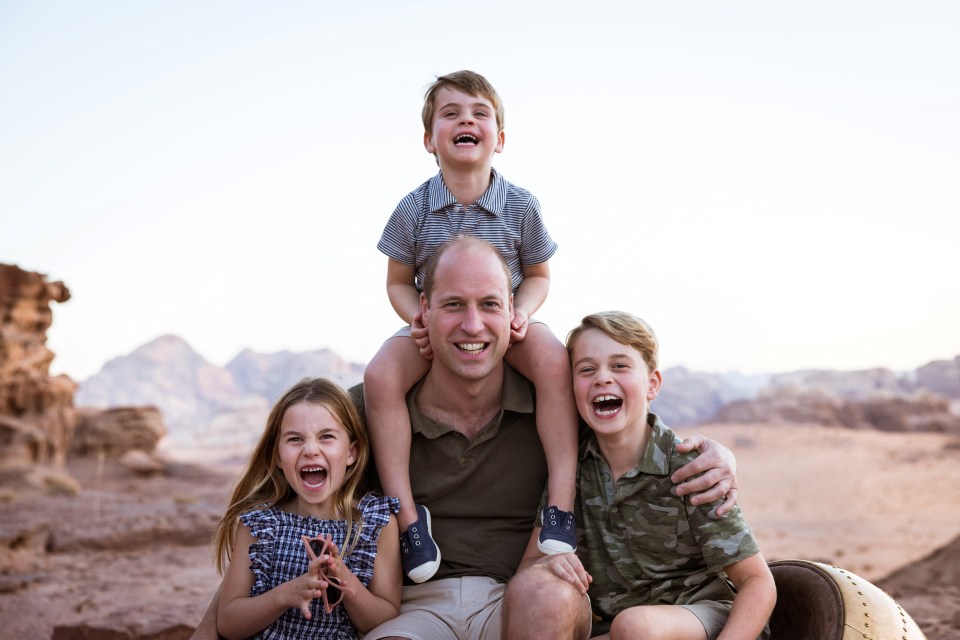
(711, 604)
(467, 608)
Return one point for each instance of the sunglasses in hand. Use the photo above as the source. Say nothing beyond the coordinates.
(333, 593)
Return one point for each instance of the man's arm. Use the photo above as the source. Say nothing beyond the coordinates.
(710, 476)
(207, 629)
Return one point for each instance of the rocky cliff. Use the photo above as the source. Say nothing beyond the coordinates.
(36, 410)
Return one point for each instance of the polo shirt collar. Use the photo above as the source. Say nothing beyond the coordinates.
(655, 460)
(517, 397)
(493, 200)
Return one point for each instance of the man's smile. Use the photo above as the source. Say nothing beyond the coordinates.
(473, 348)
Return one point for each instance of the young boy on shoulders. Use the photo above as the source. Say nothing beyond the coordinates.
(463, 128)
(660, 567)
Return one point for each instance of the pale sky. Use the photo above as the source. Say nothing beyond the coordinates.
(772, 185)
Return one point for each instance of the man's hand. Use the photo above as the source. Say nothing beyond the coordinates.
(709, 477)
(420, 336)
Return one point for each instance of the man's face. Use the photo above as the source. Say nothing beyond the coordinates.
(468, 314)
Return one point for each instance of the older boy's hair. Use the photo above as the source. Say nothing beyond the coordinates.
(469, 82)
(626, 329)
(461, 242)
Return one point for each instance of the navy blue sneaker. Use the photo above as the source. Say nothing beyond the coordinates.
(418, 552)
(559, 532)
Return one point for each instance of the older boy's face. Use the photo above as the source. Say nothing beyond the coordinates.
(611, 383)
(464, 131)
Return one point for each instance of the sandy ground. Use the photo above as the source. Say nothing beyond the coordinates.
(127, 559)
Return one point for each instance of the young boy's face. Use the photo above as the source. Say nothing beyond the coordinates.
(611, 383)
(464, 131)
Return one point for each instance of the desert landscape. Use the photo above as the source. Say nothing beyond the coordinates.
(128, 555)
(105, 526)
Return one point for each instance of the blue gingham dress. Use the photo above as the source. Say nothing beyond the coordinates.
(278, 555)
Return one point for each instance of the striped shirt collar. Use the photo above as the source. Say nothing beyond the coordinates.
(493, 200)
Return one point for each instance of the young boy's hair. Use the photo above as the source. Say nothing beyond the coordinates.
(626, 329)
(469, 82)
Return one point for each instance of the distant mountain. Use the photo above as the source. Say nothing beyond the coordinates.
(209, 406)
(691, 397)
(203, 404)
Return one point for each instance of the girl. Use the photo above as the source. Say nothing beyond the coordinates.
(291, 511)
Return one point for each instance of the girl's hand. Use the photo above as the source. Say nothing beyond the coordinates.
(518, 326)
(300, 592)
(419, 334)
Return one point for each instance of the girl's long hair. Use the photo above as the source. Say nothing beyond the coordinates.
(262, 485)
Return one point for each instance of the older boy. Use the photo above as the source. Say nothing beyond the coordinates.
(655, 561)
(463, 128)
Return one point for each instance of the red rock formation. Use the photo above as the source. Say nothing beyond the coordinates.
(36, 411)
(117, 431)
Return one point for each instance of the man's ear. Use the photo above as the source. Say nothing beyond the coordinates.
(424, 308)
(656, 379)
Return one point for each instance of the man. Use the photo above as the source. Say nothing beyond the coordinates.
(477, 465)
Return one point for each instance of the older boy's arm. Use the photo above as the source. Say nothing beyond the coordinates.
(755, 599)
(207, 629)
(529, 297)
(401, 290)
(710, 476)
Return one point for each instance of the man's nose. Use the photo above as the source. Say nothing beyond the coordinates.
(472, 320)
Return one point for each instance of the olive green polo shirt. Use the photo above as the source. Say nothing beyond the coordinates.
(641, 543)
(483, 494)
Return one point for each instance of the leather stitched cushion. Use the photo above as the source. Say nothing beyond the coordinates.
(822, 602)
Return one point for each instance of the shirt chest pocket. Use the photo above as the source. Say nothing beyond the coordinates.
(648, 531)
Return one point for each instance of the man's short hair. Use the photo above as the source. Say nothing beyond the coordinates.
(460, 242)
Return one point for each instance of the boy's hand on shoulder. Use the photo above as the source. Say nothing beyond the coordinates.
(518, 326)
(420, 336)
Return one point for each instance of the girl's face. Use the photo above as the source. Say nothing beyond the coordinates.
(314, 451)
(611, 383)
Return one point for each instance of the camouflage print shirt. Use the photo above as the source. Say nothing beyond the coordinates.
(641, 543)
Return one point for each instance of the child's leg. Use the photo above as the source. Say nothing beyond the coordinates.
(388, 377)
(657, 622)
(543, 360)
